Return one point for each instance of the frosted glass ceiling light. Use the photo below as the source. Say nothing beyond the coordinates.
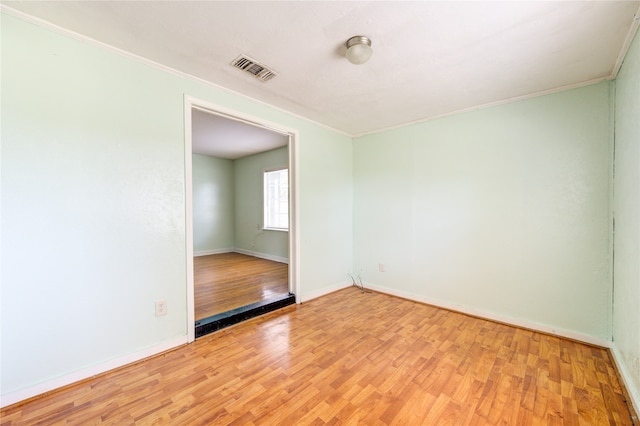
(358, 50)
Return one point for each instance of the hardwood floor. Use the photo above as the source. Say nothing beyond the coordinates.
(351, 358)
(230, 280)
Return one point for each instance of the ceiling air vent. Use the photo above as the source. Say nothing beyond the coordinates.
(252, 67)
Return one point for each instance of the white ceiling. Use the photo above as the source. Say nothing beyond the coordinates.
(430, 58)
(222, 137)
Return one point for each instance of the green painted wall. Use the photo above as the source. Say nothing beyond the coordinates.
(227, 205)
(502, 210)
(213, 204)
(249, 236)
(93, 182)
(626, 307)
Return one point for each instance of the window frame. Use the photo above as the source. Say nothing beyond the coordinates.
(265, 208)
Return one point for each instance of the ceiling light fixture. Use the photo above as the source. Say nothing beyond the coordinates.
(358, 50)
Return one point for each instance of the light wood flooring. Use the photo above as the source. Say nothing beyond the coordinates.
(351, 358)
(231, 280)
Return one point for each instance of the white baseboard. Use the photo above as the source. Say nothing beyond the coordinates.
(324, 291)
(625, 374)
(262, 255)
(531, 325)
(242, 251)
(85, 373)
(215, 251)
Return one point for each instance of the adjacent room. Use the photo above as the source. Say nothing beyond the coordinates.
(473, 166)
(240, 210)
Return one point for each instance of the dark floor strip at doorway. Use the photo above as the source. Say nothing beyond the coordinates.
(225, 319)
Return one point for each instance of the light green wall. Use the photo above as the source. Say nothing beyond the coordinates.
(92, 206)
(626, 308)
(502, 210)
(93, 203)
(249, 236)
(213, 204)
(227, 205)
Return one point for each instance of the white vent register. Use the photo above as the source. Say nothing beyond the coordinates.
(259, 71)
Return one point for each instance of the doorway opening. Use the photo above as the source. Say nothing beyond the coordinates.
(241, 243)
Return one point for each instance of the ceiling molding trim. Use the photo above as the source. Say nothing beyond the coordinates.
(626, 45)
(488, 105)
(80, 37)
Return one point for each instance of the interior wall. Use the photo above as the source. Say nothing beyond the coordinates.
(250, 238)
(213, 205)
(502, 211)
(93, 178)
(626, 302)
(227, 206)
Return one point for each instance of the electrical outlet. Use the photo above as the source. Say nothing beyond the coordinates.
(381, 267)
(161, 308)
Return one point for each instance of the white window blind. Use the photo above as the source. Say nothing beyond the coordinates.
(276, 199)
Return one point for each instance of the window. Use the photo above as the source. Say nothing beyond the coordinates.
(276, 199)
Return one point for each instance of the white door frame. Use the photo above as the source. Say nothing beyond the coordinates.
(294, 240)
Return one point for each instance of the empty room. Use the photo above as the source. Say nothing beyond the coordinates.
(456, 221)
(239, 205)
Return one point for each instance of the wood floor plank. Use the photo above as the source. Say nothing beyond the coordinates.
(351, 358)
(227, 281)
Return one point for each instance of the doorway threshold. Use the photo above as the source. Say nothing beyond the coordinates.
(243, 313)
